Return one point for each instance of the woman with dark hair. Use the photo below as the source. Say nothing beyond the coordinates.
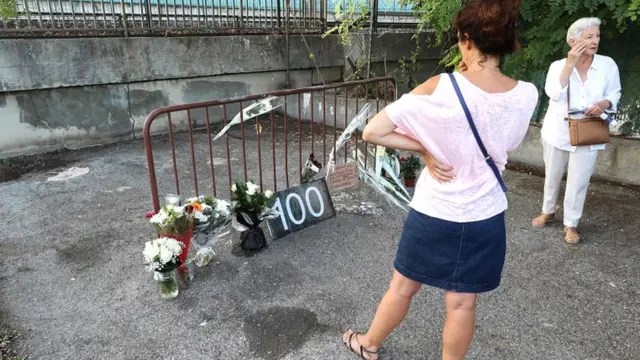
(454, 237)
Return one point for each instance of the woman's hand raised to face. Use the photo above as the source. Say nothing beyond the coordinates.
(576, 51)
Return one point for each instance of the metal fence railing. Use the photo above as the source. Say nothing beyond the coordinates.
(63, 17)
(271, 149)
(176, 17)
(387, 12)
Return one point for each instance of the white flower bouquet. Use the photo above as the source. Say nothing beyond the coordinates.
(213, 217)
(250, 207)
(162, 256)
(174, 219)
(208, 210)
(247, 198)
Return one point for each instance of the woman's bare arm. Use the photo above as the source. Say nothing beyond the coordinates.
(381, 131)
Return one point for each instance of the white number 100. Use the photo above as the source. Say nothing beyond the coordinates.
(303, 213)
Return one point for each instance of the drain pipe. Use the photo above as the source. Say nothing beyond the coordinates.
(286, 39)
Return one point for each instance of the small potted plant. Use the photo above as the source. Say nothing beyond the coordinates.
(409, 167)
(162, 256)
(250, 207)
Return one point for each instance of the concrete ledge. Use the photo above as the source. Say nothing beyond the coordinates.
(29, 64)
(619, 163)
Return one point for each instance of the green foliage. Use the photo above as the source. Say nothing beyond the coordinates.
(7, 8)
(543, 26)
(354, 17)
(247, 197)
(409, 166)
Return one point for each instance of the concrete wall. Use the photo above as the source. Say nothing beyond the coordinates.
(388, 49)
(620, 162)
(74, 117)
(29, 64)
(326, 113)
(70, 93)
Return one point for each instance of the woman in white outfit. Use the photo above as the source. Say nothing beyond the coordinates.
(595, 86)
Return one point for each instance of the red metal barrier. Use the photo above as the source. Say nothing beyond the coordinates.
(312, 133)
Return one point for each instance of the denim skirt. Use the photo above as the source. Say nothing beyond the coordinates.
(461, 257)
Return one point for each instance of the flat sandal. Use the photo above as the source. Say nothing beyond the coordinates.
(363, 350)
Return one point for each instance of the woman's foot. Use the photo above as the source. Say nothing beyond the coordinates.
(357, 343)
(542, 220)
(571, 235)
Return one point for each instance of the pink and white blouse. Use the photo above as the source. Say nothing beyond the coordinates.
(438, 122)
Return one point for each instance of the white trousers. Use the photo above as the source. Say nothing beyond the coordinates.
(581, 163)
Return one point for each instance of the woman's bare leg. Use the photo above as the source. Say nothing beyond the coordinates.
(391, 311)
(459, 325)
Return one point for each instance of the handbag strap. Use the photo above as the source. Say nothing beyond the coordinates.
(569, 98)
(486, 155)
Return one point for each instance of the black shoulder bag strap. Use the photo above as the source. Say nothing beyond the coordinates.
(487, 157)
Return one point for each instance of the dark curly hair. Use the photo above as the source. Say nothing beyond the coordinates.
(490, 24)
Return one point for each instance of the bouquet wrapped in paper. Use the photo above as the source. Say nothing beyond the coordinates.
(212, 223)
(173, 219)
(250, 208)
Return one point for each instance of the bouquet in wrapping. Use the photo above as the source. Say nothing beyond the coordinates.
(212, 218)
(250, 207)
(174, 219)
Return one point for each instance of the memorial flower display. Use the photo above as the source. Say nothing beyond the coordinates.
(177, 221)
(250, 207)
(212, 219)
(173, 219)
(162, 256)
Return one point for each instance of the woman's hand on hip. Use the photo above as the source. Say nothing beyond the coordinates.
(439, 171)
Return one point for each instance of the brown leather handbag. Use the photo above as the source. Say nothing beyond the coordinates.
(587, 131)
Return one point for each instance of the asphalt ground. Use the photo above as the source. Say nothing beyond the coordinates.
(73, 282)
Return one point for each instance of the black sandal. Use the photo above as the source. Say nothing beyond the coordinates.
(363, 350)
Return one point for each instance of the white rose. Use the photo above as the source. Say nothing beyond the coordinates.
(175, 247)
(222, 207)
(201, 217)
(150, 251)
(159, 218)
(165, 255)
(268, 193)
(252, 188)
(234, 188)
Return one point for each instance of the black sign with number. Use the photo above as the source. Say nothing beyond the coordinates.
(299, 207)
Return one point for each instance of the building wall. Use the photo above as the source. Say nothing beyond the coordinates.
(71, 93)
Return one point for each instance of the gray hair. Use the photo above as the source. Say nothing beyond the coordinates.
(580, 25)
